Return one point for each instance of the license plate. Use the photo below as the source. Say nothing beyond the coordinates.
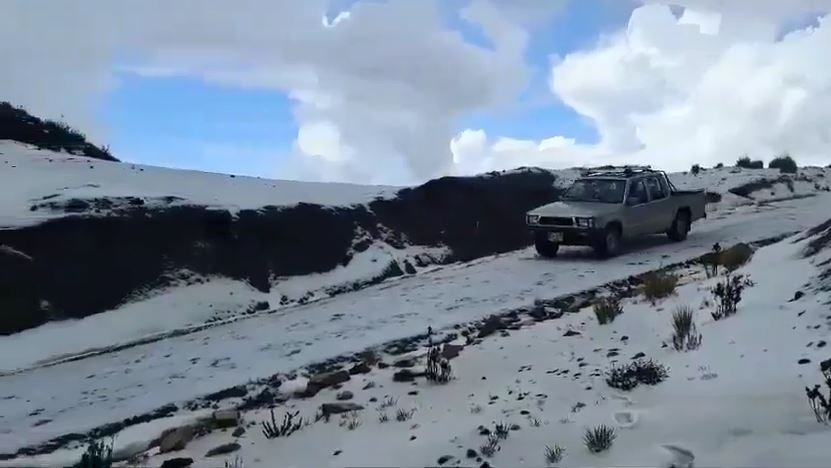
(555, 237)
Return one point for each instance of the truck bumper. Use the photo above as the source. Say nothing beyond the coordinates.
(571, 235)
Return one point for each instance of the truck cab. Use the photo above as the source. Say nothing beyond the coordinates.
(605, 207)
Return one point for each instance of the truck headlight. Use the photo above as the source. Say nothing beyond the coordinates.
(533, 219)
(585, 222)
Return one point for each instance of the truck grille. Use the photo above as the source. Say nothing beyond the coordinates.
(556, 221)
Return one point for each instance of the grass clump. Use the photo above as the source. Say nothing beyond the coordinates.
(607, 309)
(685, 336)
(404, 415)
(819, 403)
(271, 430)
(490, 447)
(629, 376)
(746, 163)
(599, 439)
(99, 454)
(658, 285)
(554, 455)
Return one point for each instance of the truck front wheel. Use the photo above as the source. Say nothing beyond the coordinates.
(545, 248)
(608, 245)
(680, 227)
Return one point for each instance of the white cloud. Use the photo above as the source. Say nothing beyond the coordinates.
(706, 87)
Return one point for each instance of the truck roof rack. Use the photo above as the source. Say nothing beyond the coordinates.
(616, 171)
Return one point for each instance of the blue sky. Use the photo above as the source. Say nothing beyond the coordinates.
(181, 122)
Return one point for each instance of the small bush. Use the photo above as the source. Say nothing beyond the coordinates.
(403, 415)
(490, 447)
(98, 455)
(735, 257)
(658, 285)
(628, 376)
(720, 166)
(237, 463)
(554, 455)
(389, 402)
(819, 403)
(728, 294)
(607, 309)
(289, 426)
(599, 439)
(438, 368)
(475, 409)
(696, 169)
(784, 163)
(383, 417)
(685, 336)
(746, 163)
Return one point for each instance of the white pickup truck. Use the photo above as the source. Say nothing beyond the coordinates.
(606, 206)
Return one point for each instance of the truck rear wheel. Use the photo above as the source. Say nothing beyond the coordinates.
(680, 227)
(545, 248)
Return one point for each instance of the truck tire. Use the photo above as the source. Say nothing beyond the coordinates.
(608, 245)
(545, 248)
(680, 227)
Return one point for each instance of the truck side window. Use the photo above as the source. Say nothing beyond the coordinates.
(637, 193)
(655, 188)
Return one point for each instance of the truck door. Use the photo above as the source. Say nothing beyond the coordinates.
(660, 212)
(636, 209)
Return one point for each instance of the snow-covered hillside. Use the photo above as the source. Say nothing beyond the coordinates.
(737, 400)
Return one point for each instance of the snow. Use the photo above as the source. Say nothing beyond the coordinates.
(736, 401)
(83, 394)
(27, 175)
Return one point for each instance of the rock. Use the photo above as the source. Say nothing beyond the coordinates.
(515, 427)
(226, 418)
(373, 399)
(177, 462)
(360, 368)
(797, 296)
(450, 351)
(338, 408)
(471, 453)
(328, 379)
(485, 465)
(412, 392)
(611, 354)
(404, 375)
(404, 363)
(337, 452)
(444, 459)
(176, 439)
(344, 395)
(238, 432)
(484, 431)
(491, 325)
(413, 437)
(525, 412)
(825, 365)
(821, 344)
(223, 449)
(572, 333)
(804, 361)
(624, 338)
(638, 356)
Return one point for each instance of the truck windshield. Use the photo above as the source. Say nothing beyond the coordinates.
(596, 190)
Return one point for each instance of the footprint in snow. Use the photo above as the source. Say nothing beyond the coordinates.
(681, 457)
(626, 419)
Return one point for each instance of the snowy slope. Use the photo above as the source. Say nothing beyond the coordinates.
(736, 401)
(138, 379)
(29, 176)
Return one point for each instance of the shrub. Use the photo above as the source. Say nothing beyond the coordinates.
(735, 257)
(685, 336)
(784, 163)
(501, 430)
(695, 169)
(720, 166)
(554, 455)
(438, 368)
(746, 163)
(728, 294)
(490, 447)
(819, 403)
(383, 417)
(98, 455)
(353, 421)
(628, 376)
(389, 402)
(607, 309)
(403, 415)
(599, 439)
(289, 426)
(658, 285)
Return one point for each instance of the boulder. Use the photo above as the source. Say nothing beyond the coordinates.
(340, 407)
(345, 395)
(328, 379)
(360, 368)
(223, 449)
(404, 363)
(405, 375)
(176, 439)
(181, 462)
(238, 431)
(226, 418)
(450, 351)
(491, 325)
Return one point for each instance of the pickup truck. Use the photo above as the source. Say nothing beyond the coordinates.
(605, 207)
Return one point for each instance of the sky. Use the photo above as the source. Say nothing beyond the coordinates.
(401, 91)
